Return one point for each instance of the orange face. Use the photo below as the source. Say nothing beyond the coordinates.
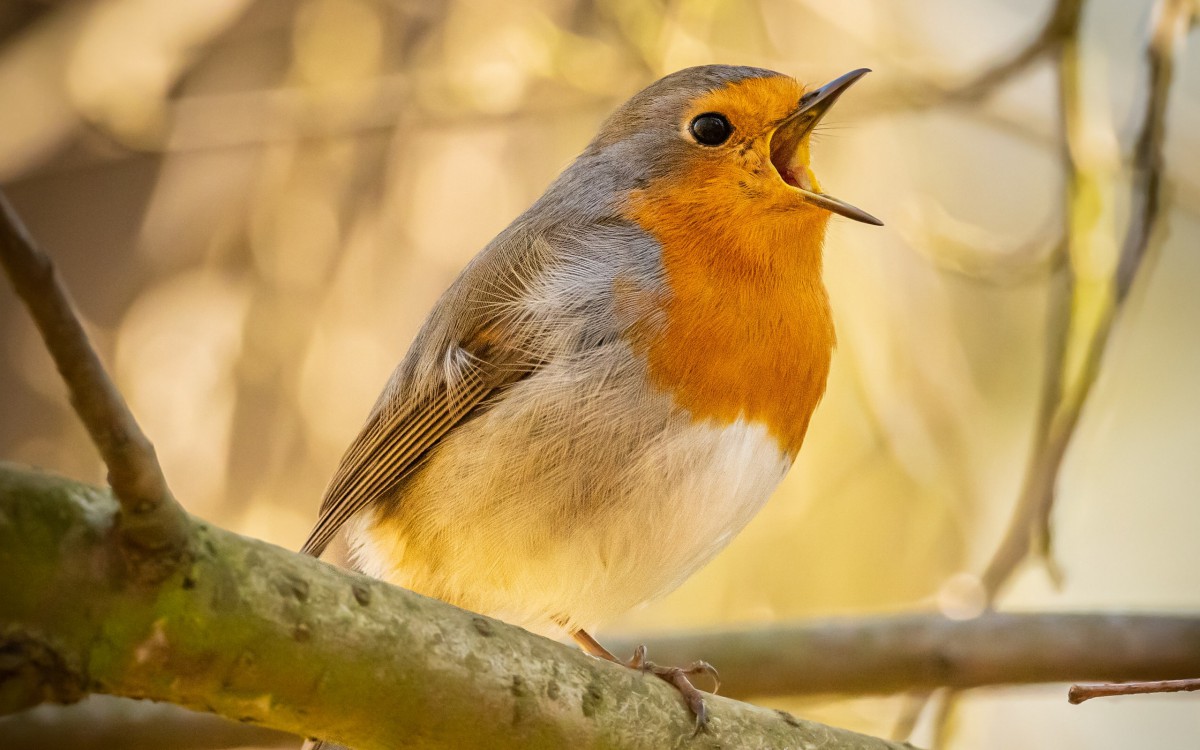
(756, 131)
(755, 109)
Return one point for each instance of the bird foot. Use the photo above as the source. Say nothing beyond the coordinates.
(678, 678)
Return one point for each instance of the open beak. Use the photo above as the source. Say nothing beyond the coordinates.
(789, 134)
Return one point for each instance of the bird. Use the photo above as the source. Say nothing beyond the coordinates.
(613, 387)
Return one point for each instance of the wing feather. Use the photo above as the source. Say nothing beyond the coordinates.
(391, 445)
(534, 294)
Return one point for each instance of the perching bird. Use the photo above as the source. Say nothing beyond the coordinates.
(613, 387)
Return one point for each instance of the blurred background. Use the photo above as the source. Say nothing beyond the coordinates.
(255, 202)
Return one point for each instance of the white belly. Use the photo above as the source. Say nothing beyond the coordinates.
(560, 519)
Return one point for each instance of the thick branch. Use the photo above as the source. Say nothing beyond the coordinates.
(254, 632)
(926, 651)
(151, 522)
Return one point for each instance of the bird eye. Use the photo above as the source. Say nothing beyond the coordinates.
(711, 129)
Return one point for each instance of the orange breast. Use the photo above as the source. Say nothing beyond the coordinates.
(745, 331)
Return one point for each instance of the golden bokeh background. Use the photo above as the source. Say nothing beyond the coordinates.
(255, 202)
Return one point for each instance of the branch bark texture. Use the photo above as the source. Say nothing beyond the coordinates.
(257, 633)
(153, 526)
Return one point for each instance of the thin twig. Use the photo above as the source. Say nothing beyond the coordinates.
(914, 703)
(943, 720)
(1172, 20)
(1029, 529)
(1062, 24)
(930, 92)
(1080, 693)
(152, 523)
(975, 255)
(1030, 519)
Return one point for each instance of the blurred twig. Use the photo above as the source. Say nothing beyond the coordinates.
(943, 720)
(1080, 693)
(922, 652)
(944, 702)
(970, 252)
(1172, 20)
(913, 705)
(102, 722)
(152, 523)
(235, 120)
(1061, 26)
(1029, 528)
(1058, 36)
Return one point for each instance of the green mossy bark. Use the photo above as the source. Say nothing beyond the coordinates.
(263, 635)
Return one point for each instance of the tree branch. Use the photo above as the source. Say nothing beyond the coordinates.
(152, 525)
(105, 721)
(273, 638)
(925, 651)
(1066, 393)
(257, 633)
(1029, 527)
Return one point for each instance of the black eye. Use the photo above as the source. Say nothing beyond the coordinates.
(711, 129)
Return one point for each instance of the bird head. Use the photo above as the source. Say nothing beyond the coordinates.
(726, 137)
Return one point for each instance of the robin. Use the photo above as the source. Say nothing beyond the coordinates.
(613, 387)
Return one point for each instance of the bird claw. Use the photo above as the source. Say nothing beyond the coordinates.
(678, 678)
(638, 660)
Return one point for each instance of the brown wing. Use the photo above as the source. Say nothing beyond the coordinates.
(480, 337)
(393, 441)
